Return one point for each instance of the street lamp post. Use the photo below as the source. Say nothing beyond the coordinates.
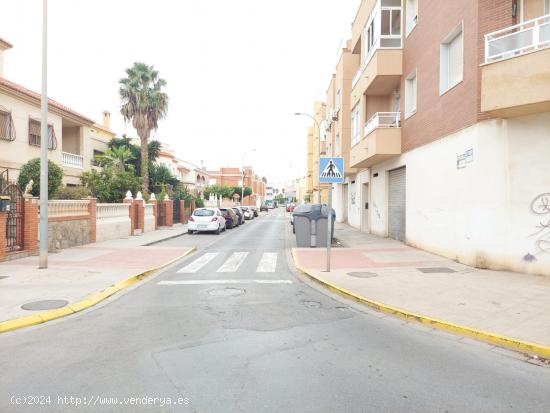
(242, 169)
(318, 148)
(43, 257)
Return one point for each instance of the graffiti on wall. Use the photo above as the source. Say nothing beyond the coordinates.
(540, 207)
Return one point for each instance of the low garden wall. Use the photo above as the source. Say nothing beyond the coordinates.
(113, 221)
(70, 223)
(149, 218)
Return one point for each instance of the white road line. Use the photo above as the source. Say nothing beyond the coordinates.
(198, 263)
(233, 263)
(210, 282)
(268, 262)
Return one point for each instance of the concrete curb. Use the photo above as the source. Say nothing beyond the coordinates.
(493, 338)
(87, 302)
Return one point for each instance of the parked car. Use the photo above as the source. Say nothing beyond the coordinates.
(240, 214)
(248, 214)
(206, 219)
(255, 211)
(290, 207)
(264, 207)
(231, 218)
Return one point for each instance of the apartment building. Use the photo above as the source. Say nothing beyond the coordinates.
(231, 176)
(316, 147)
(449, 128)
(73, 139)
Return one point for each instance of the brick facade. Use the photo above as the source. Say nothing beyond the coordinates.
(3, 220)
(30, 225)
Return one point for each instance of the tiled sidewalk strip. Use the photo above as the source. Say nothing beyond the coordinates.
(503, 341)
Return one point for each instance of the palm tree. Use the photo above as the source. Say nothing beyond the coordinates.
(144, 103)
(118, 156)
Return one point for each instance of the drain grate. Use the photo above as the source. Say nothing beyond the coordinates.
(363, 274)
(436, 270)
(44, 305)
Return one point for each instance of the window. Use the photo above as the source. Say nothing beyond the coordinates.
(451, 64)
(95, 159)
(410, 94)
(34, 135)
(355, 119)
(7, 128)
(412, 15)
(338, 101)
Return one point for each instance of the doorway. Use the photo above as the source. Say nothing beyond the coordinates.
(365, 208)
(345, 203)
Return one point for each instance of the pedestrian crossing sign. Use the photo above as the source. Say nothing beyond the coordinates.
(331, 170)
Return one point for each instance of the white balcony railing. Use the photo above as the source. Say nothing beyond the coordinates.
(519, 39)
(72, 160)
(383, 120)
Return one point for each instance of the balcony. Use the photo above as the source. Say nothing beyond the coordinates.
(514, 78)
(381, 140)
(72, 160)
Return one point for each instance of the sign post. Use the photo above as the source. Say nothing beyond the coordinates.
(331, 171)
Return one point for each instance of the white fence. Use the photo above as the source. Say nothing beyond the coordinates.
(68, 208)
(382, 120)
(148, 218)
(113, 221)
(519, 39)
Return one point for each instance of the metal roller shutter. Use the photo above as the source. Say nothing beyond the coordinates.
(397, 204)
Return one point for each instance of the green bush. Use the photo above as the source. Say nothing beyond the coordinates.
(110, 186)
(31, 170)
(73, 192)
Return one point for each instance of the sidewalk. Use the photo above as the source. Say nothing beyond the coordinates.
(392, 274)
(74, 274)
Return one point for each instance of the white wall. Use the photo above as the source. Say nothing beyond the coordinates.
(355, 198)
(113, 221)
(479, 215)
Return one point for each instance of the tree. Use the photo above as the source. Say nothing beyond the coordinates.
(108, 185)
(143, 103)
(31, 170)
(119, 157)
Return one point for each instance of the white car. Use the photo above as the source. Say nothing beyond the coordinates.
(206, 219)
(248, 213)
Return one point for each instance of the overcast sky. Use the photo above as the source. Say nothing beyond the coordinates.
(236, 70)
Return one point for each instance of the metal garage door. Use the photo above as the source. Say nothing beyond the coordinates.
(396, 204)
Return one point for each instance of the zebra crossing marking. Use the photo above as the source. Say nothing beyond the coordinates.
(268, 262)
(198, 263)
(214, 282)
(233, 263)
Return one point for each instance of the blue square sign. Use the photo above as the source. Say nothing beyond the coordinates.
(331, 170)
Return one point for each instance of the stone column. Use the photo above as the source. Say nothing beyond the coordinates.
(138, 203)
(131, 212)
(92, 213)
(182, 210)
(30, 225)
(3, 221)
(168, 212)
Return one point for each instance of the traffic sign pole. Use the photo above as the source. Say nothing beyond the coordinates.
(329, 221)
(331, 171)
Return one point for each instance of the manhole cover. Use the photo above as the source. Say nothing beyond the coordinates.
(3, 276)
(363, 274)
(312, 304)
(44, 305)
(435, 270)
(227, 292)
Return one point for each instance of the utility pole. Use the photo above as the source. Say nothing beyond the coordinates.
(44, 139)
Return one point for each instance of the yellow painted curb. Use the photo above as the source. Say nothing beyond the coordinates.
(493, 338)
(89, 301)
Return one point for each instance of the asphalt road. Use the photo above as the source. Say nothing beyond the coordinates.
(233, 329)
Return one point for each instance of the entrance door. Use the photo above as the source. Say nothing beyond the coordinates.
(365, 208)
(345, 203)
(397, 204)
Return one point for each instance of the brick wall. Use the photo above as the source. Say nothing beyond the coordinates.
(3, 219)
(30, 226)
(492, 15)
(437, 115)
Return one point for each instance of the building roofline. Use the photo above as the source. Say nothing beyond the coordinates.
(5, 45)
(21, 91)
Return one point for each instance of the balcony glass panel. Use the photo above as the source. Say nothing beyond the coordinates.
(519, 39)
